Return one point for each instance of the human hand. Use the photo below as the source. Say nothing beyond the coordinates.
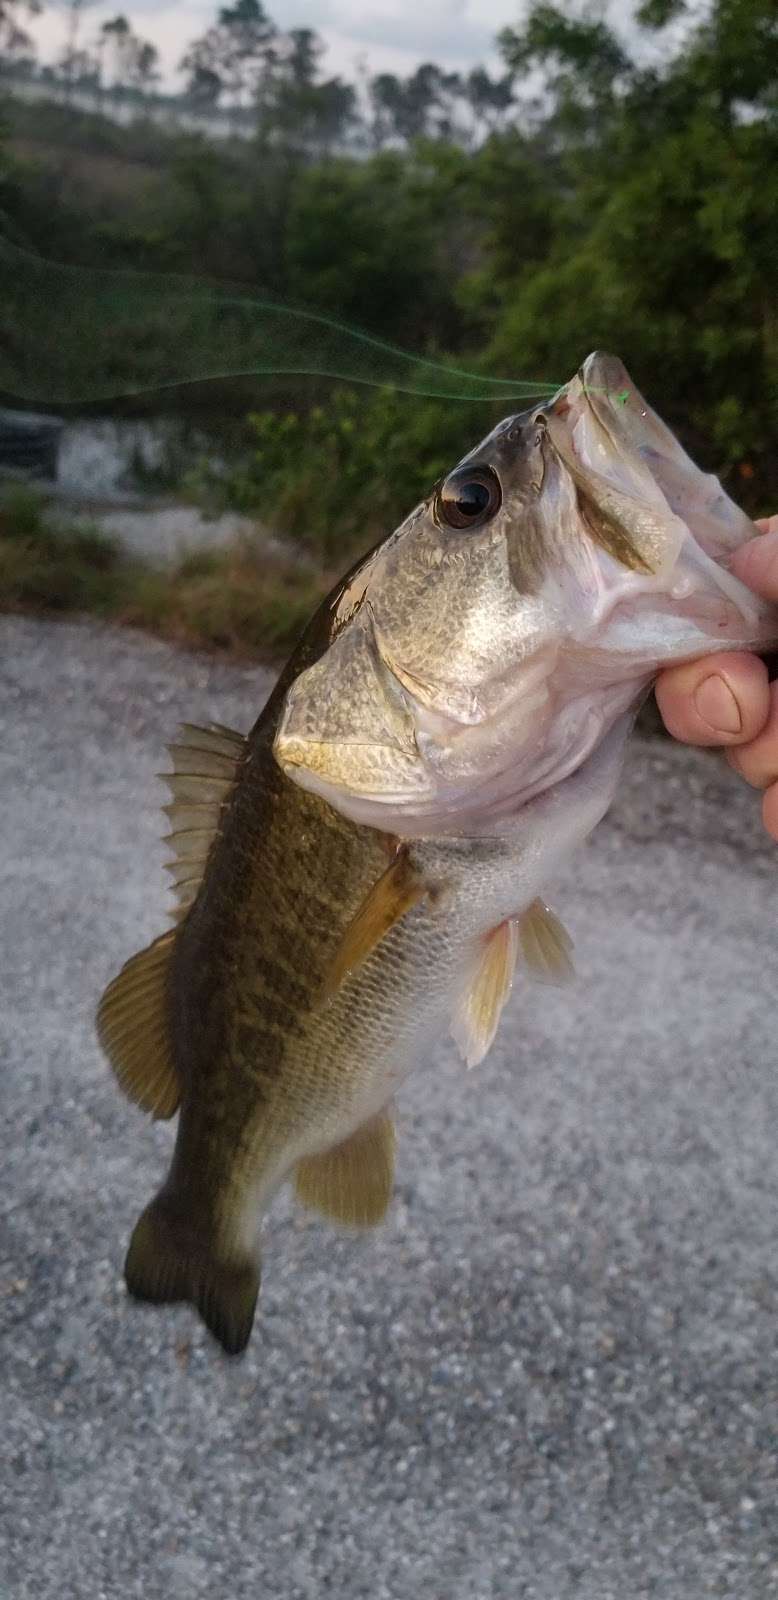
(727, 699)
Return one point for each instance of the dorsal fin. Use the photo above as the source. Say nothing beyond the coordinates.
(480, 1007)
(132, 1020)
(132, 1027)
(205, 764)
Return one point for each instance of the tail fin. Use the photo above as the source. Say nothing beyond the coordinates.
(168, 1260)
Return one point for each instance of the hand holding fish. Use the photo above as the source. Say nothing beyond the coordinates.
(727, 700)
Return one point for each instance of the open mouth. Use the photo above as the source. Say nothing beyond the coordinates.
(613, 433)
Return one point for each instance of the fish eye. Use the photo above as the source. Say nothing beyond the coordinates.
(468, 497)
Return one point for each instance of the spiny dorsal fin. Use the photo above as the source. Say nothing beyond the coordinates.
(396, 891)
(478, 1015)
(132, 1027)
(352, 1183)
(546, 944)
(205, 763)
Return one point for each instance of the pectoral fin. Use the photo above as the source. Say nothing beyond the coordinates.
(353, 1182)
(480, 1008)
(546, 945)
(397, 890)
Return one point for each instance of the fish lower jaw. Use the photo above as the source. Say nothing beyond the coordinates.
(494, 785)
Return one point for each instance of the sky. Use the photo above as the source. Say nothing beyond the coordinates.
(380, 35)
(387, 35)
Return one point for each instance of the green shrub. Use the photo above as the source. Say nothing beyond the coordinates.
(51, 568)
(245, 600)
(240, 600)
(342, 475)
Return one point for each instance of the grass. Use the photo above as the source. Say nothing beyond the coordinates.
(241, 600)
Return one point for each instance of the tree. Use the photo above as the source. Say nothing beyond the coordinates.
(143, 68)
(80, 69)
(385, 99)
(410, 108)
(731, 56)
(205, 82)
(238, 51)
(303, 56)
(664, 244)
(490, 99)
(16, 46)
(584, 64)
(204, 86)
(295, 110)
(248, 38)
(565, 44)
(135, 60)
(114, 37)
(331, 113)
(77, 65)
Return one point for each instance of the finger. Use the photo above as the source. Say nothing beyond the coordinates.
(757, 761)
(770, 810)
(756, 563)
(767, 524)
(723, 700)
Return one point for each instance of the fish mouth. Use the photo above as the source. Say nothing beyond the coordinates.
(602, 421)
(630, 571)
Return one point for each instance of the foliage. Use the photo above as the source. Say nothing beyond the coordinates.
(665, 248)
(245, 599)
(50, 569)
(234, 54)
(134, 61)
(599, 193)
(315, 475)
(372, 243)
(16, 46)
(240, 600)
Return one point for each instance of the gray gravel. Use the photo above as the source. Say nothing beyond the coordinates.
(552, 1374)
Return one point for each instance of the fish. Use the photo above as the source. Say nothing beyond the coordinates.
(366, 868)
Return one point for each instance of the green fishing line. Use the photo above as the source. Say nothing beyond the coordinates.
(72, 334)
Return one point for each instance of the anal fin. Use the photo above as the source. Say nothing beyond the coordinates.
(546, 944)
(352, 1183)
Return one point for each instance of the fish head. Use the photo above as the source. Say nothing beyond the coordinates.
(481, 653)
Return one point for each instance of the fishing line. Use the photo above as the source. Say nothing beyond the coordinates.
(71, 334)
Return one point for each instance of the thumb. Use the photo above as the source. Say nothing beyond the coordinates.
(756, 563)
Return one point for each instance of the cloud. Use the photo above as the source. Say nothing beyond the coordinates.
(438, 31)
(393, 35)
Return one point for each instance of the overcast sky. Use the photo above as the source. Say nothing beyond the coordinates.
(392, 35)
(385, 35)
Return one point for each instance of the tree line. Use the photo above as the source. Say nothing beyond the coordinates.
(626, 197)
(268, 77)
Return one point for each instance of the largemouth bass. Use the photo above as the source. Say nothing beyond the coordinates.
(365, 868)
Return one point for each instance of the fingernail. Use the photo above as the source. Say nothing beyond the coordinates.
(716, 705)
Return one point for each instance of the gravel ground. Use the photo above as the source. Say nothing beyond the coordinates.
(552, 1374)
